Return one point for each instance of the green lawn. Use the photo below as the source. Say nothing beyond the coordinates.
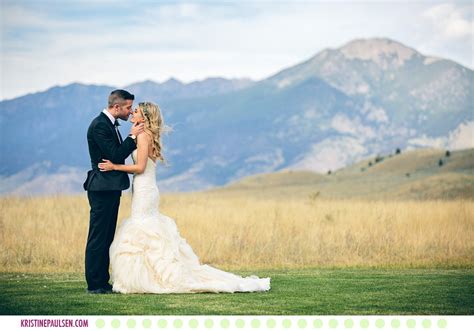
(341, 291)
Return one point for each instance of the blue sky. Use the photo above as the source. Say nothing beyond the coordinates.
(46, 43)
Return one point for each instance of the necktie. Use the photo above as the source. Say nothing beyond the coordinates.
(116, 125)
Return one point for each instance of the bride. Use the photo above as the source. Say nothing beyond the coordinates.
(148, 255)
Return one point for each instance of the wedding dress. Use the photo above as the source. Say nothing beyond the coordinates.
(148, 255)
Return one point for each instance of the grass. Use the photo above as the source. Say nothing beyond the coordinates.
(325, 256)
(311, 291)
(245, 232)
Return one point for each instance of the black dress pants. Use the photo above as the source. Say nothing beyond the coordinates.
(103, 220)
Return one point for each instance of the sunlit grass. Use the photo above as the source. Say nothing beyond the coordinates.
(239, 232)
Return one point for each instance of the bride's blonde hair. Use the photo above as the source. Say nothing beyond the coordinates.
(154, 126)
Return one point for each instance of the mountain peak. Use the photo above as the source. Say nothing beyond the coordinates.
(383, 51)
(172, 82)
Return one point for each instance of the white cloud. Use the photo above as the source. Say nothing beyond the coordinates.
(45, 45)
(450, 21)
(446, 30)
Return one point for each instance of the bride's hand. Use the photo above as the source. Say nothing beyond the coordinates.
(106, 165)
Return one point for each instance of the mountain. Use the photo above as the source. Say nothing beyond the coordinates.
(173, 89)
(415, 175)
(395, 82)
(49, 127)
(40, 122)
(366, 97)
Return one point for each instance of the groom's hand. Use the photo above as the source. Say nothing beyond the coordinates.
(136, 129)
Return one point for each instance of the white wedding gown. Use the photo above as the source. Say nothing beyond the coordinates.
(148, 255)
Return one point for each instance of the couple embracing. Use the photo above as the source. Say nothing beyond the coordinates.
(147, 254)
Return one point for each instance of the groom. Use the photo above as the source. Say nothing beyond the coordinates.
(105, 188)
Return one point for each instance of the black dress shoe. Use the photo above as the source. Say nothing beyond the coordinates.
(107, 290)
(99, 291)
(107, 287)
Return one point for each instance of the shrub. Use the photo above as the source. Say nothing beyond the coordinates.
(378, 159)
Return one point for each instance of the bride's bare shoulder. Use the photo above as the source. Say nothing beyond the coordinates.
(143, 138)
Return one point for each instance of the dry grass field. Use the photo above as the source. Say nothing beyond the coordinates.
(234, 231)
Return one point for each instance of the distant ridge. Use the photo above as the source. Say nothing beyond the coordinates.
(410, 175)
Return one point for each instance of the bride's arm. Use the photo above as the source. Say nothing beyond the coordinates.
(139, 166)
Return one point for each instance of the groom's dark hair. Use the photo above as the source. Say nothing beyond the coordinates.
(119, 96)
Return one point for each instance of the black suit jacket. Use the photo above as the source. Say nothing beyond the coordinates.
(104, 144)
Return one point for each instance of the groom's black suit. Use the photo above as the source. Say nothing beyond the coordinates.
(104, 191)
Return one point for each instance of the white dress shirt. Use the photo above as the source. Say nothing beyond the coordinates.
(112, 119)
(109, 115)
